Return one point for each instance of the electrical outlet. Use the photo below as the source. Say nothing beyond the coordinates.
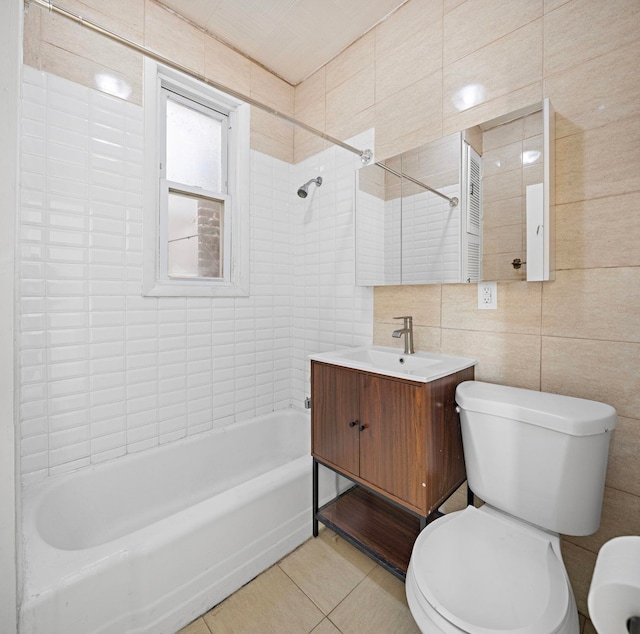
(487, 295)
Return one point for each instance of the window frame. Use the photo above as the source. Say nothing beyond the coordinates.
(235, 281)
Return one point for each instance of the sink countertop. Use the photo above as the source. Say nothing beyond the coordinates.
(420, 366)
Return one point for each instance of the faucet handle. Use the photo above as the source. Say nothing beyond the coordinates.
(404, 317)
(408, 320)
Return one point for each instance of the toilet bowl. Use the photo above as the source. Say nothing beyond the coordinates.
(480, 571)
(538, 460)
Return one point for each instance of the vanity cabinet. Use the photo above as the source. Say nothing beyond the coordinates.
(398, 440)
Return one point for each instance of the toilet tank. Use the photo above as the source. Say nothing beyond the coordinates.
(541, 457)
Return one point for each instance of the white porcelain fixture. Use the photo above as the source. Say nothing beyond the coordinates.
(538, 460)
(147, 543)
(420, 366)
(614, 595)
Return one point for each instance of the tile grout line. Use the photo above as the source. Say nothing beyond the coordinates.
(324, 616)
(328, 616)
(376, 566)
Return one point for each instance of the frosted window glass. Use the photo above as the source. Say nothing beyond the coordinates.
(195, 227)
(194, 146)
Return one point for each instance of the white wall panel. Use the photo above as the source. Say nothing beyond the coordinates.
(106, 371)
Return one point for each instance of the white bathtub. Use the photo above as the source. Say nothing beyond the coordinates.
(148, 542)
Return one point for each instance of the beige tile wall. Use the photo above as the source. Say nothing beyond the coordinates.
(579, 334)
(58, 45)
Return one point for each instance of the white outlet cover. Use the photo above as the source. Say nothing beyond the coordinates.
(487, 295)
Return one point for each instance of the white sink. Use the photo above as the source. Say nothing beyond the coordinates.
(421, 366)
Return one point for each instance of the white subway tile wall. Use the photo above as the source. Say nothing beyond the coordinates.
(329, 312)
(105, 371)
(422, 239)
(370, 239)
(431, 238)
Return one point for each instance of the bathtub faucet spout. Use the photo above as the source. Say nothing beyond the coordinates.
(407, 331)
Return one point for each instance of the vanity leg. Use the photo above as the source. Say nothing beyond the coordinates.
(470, 496)
(315, 498)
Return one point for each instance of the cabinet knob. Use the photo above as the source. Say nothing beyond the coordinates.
(353, 423)
(362, 427)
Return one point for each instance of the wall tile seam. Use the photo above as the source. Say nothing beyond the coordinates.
(595, 268)
(502, 37)
(341, 84)
(583, 60)
(442, 326)
(632, 119)
(615, 51)
(378, 103)
(549, 337)
(623, 491)
(617, 490)
(522, 25)
(299, 114)
(582, 131)
(589, 556)
(582, 269)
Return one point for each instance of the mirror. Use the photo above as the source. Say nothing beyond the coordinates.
(472, 206)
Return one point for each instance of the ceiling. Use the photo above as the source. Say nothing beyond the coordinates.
(291, 38)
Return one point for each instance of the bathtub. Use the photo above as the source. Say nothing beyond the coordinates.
(148, 542)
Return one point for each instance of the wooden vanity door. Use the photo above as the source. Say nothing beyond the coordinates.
(392, 445)
(335, 407)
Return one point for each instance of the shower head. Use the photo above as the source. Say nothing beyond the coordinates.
(303, 191)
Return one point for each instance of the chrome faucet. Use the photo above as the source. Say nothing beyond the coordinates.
(407, 331)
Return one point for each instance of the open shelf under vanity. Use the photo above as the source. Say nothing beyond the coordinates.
(379, 528)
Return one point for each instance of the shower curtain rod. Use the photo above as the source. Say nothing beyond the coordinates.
(365, 155)
(453, 202)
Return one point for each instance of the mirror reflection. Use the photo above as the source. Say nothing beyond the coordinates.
(472, 206)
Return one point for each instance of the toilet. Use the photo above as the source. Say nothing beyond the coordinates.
(538, 461)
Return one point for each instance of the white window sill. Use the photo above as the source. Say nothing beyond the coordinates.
(182, 288)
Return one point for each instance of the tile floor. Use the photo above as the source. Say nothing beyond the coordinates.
(326, 586)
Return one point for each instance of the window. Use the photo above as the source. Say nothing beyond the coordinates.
(197, 186)
(193, 189)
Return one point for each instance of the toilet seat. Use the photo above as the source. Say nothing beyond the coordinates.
(484, 572)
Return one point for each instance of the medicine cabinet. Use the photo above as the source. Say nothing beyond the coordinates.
(489, 218)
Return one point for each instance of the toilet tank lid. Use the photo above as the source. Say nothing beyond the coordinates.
(565, 414)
